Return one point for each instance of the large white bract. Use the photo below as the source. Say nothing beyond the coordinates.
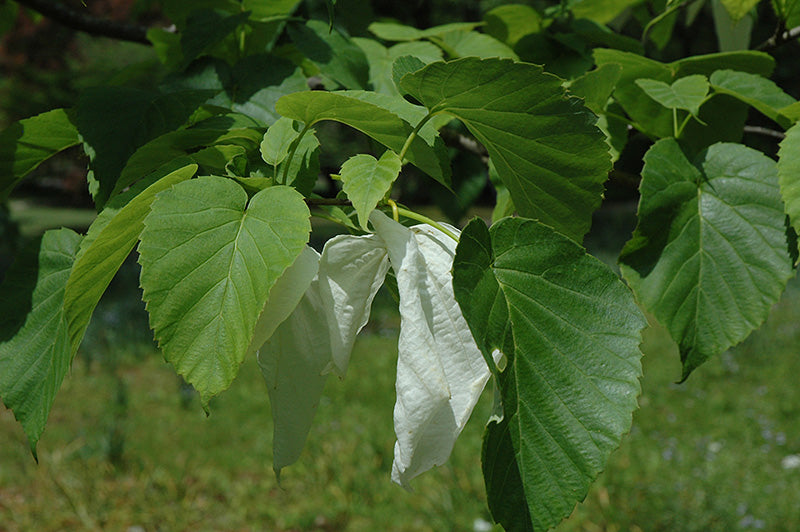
(440, 370)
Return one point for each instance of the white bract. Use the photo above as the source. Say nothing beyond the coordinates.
(440, 370)
(351, 270)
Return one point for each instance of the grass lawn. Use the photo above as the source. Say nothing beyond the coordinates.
(126, 449)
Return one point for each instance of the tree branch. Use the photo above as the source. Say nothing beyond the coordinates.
(327, 201)
(780, 37)
(87, 23)
(758, 130)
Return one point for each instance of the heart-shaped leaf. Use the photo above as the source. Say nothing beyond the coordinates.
(687, 93)
(366, 181)
(709, 256)
(209, 259)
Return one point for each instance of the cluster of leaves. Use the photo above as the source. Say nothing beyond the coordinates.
(211, 178)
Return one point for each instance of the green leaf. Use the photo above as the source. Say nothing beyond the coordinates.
(264, 9)
(209, 258)
(303, 169)
(340, 61)
(205, 29)
(198, 143)
(251, 87)
(277, 140)
(361, 110)
(687, 93)
(709, 256)
(366, 181)
(284, 296)
(293, 362)
(35, 348)
(569, 331)
(381, 60)
(653, 118)
(792, 112)
(392, 31)
(25, 144)
(602, 11)
(596, 86)
(760, 63)
(115, 121)
(511, 22)
(545, 146)
(406, 65)
(110, 240)
(473, 44)
(789, 174)
(755, 91)
(738, 8)
(257, 81)
(732, 34)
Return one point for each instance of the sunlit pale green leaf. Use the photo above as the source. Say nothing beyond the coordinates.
(35, 348)
(112, 238)
(277, 140)
(756, 91)
(366, 181)
(545, 146)
(789, 174)
(709, 256)
(569, 332)
(509, 23)
(209, 259)
(25, 144)
(685, 93)
(365, 115)
(473, 44)
(392, 31)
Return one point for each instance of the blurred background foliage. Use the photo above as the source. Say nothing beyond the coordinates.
(44, 65)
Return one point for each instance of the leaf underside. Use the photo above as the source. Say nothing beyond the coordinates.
(544, 145)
